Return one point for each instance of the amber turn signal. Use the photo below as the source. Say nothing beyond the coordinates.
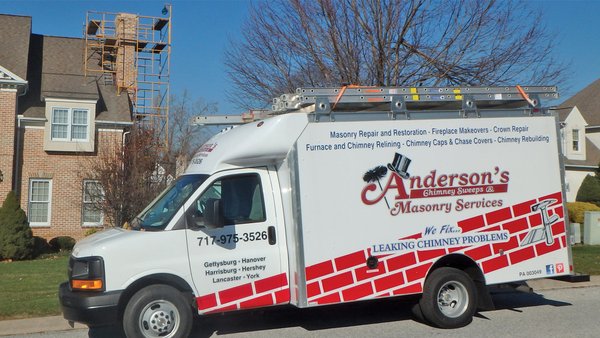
(93, 284)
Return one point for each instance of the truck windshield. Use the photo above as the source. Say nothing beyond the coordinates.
(160, 212)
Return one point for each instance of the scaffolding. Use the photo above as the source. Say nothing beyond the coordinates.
(132, 52)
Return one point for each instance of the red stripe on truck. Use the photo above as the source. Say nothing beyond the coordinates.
(206, 302)
(389, 282)
(337, 281)
(495, 264)
(319, 270)
(235, 293)
(472, 223)
(523, 208)
(522, 255)
(516, 225)
(498, 216)
(358, 292)
(348, 261)
(402, 261)
(270, 283)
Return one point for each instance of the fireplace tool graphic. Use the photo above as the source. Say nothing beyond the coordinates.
(545, 233)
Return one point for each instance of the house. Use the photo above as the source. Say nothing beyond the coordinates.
(54, 122)
(580, 118)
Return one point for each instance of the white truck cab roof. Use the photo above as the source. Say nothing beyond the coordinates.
(266, 141)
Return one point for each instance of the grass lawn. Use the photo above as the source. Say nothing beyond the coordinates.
(586, 259)
(30, 288)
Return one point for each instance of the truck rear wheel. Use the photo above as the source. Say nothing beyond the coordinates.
(157, 311)
(449, 298)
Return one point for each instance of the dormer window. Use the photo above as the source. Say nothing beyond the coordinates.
(575, 139)
(70, 124)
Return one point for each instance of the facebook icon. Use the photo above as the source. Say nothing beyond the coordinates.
(550, 269)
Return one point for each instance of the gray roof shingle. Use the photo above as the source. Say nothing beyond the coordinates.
(587, 101)
(592, 156)
(14, 41)
(54, 67)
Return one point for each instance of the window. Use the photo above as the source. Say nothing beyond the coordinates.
(240, 197)
(40, 192)
(160, 212)
(575, 139)
(69, 124)
(93, 195)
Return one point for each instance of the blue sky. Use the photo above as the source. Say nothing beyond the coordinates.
(202, 28)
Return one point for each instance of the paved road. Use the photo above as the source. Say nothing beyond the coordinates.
(550, 313)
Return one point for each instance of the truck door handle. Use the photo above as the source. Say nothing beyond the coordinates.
(272, 235)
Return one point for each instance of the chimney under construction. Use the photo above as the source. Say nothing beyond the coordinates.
(132, 52)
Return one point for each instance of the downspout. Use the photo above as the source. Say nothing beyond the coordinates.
(17, 157)
(120, 220)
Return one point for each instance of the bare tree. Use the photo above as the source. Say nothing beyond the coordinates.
(129, 176)
(292, 43)
(185, 138)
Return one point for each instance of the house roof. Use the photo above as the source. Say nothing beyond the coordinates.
(592, 156)
(587, 101)
(14, 43)
(54, 68)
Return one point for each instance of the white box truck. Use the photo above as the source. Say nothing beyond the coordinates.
(342, 195)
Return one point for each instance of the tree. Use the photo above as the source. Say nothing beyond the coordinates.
(135, 172)
(287, 44)
(589, 191)
(130, 175)
(16, 238)
(184, 137)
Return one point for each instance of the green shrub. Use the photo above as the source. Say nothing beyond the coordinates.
(40, 246)
(577, 210)
(589, 191)
(62, 243)
(16, 238)
(91, 231)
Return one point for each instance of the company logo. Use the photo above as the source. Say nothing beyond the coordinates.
(393, 179)
(550, 269)
(207, 147)
(560, 268)
(545, 232)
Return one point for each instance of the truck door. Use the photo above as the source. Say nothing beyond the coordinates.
(235, 264)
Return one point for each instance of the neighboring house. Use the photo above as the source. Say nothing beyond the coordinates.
(580, 117)
(54, 122)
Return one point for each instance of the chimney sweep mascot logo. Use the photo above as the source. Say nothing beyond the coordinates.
(398, 167)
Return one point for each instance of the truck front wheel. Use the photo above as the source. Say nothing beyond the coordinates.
(449, 298)
(157, 311)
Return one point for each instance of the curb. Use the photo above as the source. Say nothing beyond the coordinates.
(553, 284)
(58, 323)
(36, 325)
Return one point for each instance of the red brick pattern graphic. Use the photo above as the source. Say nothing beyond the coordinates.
(263, 292)
(347, 278)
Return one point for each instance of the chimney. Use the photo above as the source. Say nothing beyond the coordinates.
(126, 32)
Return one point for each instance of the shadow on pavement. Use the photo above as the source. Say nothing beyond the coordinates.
(512, 300)
(106, 331)
(334, 316)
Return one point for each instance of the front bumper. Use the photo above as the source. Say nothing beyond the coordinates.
(90, 308)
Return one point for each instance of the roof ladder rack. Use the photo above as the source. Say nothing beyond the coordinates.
(399, 102)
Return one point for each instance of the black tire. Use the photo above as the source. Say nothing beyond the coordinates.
(449, 298)
(158, 311)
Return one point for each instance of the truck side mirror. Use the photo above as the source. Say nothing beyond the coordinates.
(213, 214)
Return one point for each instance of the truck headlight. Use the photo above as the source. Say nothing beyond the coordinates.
(86, 273)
